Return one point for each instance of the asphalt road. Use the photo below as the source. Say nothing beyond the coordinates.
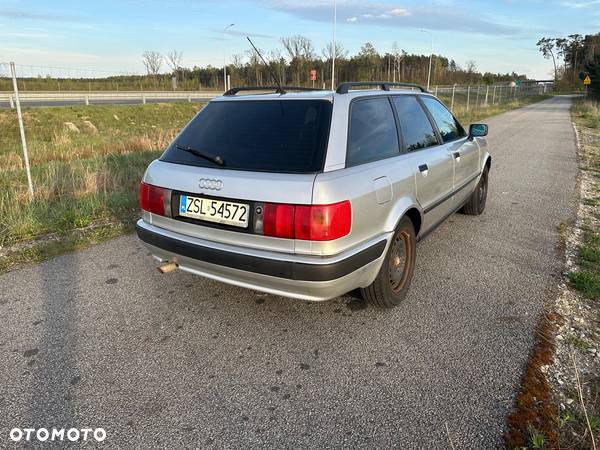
(99, 338)
(114, 101)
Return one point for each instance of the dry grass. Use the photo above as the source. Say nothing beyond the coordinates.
(79, 177)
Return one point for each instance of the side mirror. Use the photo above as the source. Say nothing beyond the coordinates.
(478, 130)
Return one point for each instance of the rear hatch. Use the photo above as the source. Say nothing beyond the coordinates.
(271, 151)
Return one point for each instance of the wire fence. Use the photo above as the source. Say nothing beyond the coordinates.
(474, 98)
(73, 79)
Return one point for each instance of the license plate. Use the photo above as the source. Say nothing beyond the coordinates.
(228, 213)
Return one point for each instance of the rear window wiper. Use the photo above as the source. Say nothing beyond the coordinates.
(202, 154)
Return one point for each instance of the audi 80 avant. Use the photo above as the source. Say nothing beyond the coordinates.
(311, 194)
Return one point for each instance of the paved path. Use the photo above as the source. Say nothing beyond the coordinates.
(99, 338)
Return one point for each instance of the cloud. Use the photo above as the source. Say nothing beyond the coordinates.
(26, 15)
(399, 12)
(29, 35)
(393, 15)
(580, 5)
(233, 32)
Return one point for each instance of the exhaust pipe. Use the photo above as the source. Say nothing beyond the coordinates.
(168, 267)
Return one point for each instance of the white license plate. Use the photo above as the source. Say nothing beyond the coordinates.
(228, 213)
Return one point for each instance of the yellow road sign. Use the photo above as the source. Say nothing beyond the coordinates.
(587, 80)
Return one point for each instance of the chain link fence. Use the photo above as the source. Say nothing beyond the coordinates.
(469, 98)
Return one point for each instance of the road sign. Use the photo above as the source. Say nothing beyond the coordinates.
(518, 83)
(313, 75)
(587, 80)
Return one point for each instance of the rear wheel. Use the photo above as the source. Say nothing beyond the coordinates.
(476, 203)
(394, 277)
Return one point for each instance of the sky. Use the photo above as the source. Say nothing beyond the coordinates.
(101, 37)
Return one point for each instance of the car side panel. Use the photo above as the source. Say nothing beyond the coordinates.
(435, 186)
(465, 154)
(380, 192)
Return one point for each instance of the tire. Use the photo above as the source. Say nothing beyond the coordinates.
(394, 277)
(476, 203)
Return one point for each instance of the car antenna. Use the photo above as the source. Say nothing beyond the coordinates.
(276, 79)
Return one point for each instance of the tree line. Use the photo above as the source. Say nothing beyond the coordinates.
(571, 57)
(291, 62)
(297, 57)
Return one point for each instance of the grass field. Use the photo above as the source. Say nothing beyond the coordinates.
(86, 181)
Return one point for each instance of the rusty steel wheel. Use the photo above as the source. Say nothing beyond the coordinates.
(392, 282)
(401, 250)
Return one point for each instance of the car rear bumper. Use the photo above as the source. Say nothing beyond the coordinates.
(307, 278)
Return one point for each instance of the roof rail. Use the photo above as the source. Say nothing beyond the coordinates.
(343, 88)
(277, 89)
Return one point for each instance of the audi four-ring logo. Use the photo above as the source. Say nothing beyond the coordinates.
(207, 183)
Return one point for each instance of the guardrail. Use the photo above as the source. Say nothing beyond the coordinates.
(87, 96)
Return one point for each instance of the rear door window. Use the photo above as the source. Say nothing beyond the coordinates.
(288, 136)
(449, 127)
(373, 134)
(417, 131)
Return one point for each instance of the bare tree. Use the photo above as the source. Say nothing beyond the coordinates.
(300, 50)
(153, 61)
(277, 62)
(340, 51)
(254, 62)
(174, 59)
(237, 69)
(471, 66)
(237, 61)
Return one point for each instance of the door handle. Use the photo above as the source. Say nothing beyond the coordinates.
(424, 169)
(456, 155)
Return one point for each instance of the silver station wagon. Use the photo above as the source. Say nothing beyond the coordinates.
(311, 194)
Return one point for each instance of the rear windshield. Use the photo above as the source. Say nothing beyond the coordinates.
(267, 135)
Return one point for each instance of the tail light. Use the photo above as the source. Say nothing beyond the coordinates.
(307, 222)
(278, 220)
(155, 199)
(323, 222)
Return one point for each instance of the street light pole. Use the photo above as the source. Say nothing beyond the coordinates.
(333, 51)
(430, 56)
(225, 61)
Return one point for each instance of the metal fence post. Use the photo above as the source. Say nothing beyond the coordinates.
(494, 96)
(477, 98)
(87, 100)
(500, 95)
(144, 99)
(452, 104)
(468, 96)
(11, 101)
(22, 129)
(487, 93)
